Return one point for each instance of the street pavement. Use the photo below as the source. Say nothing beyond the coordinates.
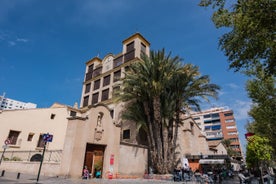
(11, 178)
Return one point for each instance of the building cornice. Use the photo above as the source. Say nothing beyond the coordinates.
(136, 35)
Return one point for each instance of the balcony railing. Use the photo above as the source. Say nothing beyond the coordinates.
(49, 156)
(129, 56)
(118, 61)
(88, 76)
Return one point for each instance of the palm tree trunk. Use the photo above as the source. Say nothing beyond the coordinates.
(159, 141)
(152, 144)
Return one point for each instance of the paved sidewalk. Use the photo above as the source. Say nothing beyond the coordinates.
(11, 178)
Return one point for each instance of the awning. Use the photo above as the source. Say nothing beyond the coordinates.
(211, 161)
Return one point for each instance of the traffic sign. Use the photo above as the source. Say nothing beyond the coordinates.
(47, 137)
(7, 141)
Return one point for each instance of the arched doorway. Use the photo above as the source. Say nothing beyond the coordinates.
(94, 157)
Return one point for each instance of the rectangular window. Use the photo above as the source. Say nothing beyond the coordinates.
(207, 121)
(105, 94)
(97, 71)
(143, 48)
(88, 76)
(130, 47)
(73, 113)
(129, 56)
(95, 98)
(206, 116)
(97, 84)
(216, 115)
(234, 139)
(229, 120)
(53, 116)
(13, 136)
(90, 68)
(87, 87)
(85, 101)
(116, 90)
(106, 80)
(40, 143)
(228, 114)
(89, 73)
(216, 127)
(118, 61)
(232, 133)
(230, 127)
(117, 76)
(30, 137)
(235, 146)
(196, 118)
(207, 128)
(126, 134)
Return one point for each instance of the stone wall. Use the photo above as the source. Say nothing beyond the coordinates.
(132, 161)
(47, 169)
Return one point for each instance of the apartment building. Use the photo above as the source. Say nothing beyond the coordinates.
(218, 124)
(10, 104)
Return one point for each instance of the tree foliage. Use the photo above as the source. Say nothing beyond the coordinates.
(262, 90)
(156, 92)
(251, 39)
(258, 152)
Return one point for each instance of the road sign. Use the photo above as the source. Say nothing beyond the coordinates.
(47, 137)
(7, 141)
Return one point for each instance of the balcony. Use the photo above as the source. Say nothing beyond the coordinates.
(97, 72)
(118, 61)
(124, 58)
(129, 55)
(88, 76)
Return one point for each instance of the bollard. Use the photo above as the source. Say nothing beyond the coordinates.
(18, 175)
(3, 173)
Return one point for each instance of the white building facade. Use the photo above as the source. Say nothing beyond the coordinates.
(10, 104)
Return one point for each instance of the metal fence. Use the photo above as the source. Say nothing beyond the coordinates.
(49, 156)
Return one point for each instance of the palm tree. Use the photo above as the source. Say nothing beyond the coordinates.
(157, 91)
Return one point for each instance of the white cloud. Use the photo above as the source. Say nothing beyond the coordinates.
(11, 43)
(22, 40)
(11, 39)
(241, 109)
(233, 86)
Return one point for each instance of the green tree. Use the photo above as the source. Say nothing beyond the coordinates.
(262, 90)
(157, 91)
(251, 38)
(258, 153)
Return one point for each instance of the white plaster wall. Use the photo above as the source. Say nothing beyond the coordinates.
(35, 121)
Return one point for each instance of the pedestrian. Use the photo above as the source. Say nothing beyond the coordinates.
(98, 173)
(85, 173)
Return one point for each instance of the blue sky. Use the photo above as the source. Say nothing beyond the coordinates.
(44, 45)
